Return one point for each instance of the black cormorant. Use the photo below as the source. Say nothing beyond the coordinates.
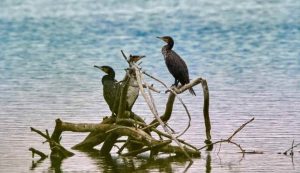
(110, 88)
(175, 64)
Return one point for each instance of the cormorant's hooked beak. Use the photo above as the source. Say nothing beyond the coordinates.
(162, 38)
(101, 68)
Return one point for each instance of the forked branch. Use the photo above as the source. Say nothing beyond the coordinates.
(229, 139)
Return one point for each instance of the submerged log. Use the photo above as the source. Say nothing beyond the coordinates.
(95, 137)
(136, 134)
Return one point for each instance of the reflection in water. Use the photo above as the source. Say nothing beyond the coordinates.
(208, 163)
(56, 164)
(111, 163)
(35, 164)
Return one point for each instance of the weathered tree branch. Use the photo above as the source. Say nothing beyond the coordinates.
(135, 133)
(291, 148)
(152, 147)
(57, 150)
(169, 106)
(169, 137)
(170, 102)
(229, 139)
(151, 105)
(95, 137)
(240, 128)
(41, 154)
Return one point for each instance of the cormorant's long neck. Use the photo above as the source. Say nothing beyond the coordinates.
(170, 45)
(111, 75)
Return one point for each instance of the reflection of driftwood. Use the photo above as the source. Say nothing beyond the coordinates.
(142, 163)
(252, 152)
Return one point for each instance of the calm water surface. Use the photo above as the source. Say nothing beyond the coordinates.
(247, 50)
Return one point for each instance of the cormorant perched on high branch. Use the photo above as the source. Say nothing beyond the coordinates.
(175, 64)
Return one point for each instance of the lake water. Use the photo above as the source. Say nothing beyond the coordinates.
(248, 51)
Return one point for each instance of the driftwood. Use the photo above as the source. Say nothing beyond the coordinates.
(128, 124)
(229, 139)
(57, 151)
(135, 132)
(41, 154)
(291, 149)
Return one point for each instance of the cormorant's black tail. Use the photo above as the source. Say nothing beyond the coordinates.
(192, 91)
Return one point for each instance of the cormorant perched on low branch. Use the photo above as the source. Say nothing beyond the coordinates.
(175, 64)
(110, 88)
